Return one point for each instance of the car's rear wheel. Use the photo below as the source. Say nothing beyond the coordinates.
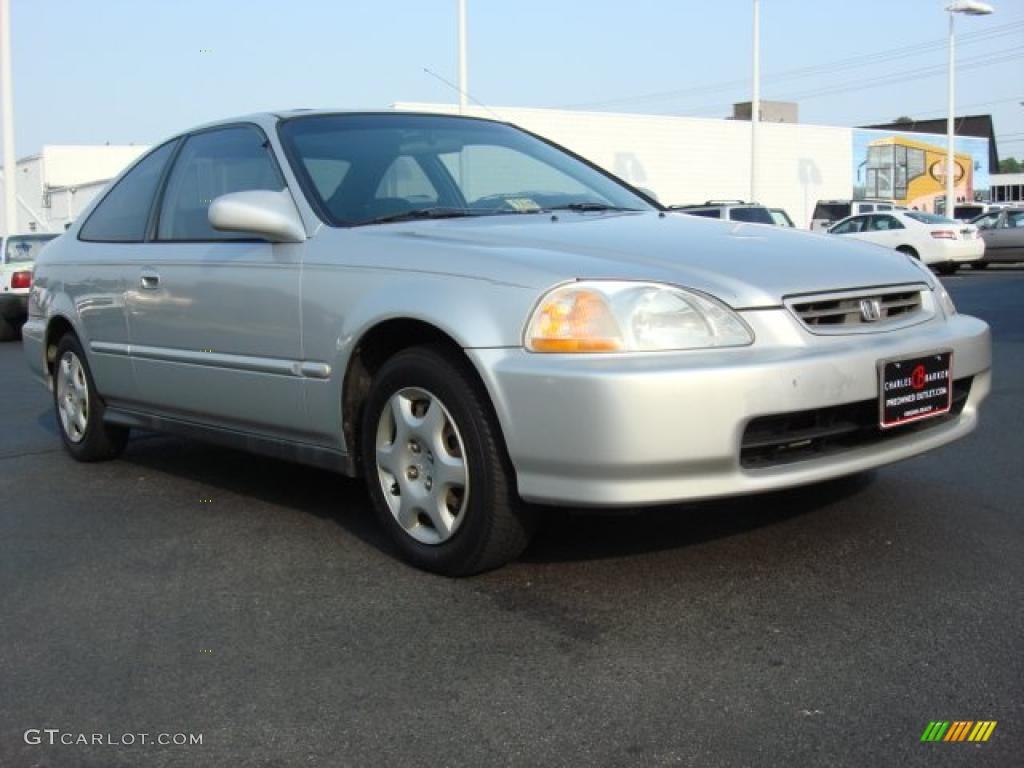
(948, 268)
(79, 408)
(436, 466)
(979, 265)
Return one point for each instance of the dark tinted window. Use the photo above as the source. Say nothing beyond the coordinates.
(707, 213)
(885, 223)
(967, 211)
(212, 164)
(850, 226)
(753, 215)
(122, 215)
(831, 211)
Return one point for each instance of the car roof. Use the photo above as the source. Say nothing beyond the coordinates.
(270, 119)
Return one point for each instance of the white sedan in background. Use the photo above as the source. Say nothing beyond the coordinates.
(937, 241)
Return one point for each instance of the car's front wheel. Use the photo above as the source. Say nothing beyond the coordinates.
(436, 466)
(79, 408)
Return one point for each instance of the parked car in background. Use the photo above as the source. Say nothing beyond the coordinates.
(937, 241)
(728, 210)
(780, 217)
(1003, 233)
(828, 212)
(967, 212)
(17, 256)
(473, 320)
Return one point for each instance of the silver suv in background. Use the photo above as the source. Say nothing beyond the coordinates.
(729, 210)
(828, 212)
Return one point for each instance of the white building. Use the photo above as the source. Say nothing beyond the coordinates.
(1007, 187)
(54, 186)
(690, 160)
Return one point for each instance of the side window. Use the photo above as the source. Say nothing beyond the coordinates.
(1015, 219)
(865, 208)
(122, 215)
(988, 221)
(845, 228)
(212, 164)
(885, 223)
(707, 213)
(883, 207)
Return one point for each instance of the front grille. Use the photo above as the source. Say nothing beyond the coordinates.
(864, 310)
(787, 437)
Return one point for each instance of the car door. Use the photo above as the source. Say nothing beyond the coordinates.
(1004, 239)
(214, 316)
(111, 242)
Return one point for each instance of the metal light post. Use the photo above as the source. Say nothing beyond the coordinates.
(463, 78)
(970, 8)
(755, 101)
(10, 162)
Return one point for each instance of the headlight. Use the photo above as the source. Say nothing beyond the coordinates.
(619, 316)
(945, 300)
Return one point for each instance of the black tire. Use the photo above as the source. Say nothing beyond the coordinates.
(979, 265)
(909, 251)
(948, 268)
(98, 441)
(496, 526)
(8, 331)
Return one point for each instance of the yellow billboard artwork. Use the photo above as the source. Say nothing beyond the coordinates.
(913, 173)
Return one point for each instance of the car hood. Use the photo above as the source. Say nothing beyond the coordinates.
(745, 265)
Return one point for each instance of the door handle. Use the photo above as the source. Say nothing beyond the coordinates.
(149, 281)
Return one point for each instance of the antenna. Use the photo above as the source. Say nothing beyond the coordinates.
(468, 95)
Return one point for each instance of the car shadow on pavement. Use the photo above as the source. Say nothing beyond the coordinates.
(568, 535)
(563, 534)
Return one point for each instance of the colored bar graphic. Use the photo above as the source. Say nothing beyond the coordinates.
(958, 730)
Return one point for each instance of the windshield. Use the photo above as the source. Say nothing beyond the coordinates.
(22, 248)
(363, 169)
(928, 218)
(754, 215)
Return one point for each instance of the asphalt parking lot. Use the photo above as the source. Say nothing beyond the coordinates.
(197, 590)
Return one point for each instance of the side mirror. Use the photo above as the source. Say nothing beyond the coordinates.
(259, 212)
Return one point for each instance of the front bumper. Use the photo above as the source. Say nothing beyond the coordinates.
(630, 429)
(13, 306)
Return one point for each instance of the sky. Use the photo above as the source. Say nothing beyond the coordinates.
(135, 71)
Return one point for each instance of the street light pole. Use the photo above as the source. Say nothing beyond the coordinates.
(970, 8)
(463, 78)
(755, 102)
(10, 162)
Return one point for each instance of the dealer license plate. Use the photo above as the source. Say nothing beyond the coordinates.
(914, 389)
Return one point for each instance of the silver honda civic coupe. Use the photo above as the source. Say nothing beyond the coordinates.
(477, 320)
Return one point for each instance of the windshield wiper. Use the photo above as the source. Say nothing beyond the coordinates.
(590, 206)
(434, 212)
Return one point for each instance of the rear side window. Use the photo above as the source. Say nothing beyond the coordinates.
(212, 164)
(122, 215)
(850, 226)
(831, 211)
(752, 215)
(707, 213)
